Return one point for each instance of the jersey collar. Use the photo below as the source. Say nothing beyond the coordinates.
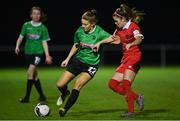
(93, 30)
(35, 24)
(127, 25)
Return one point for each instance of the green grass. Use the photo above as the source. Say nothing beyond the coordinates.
(160, 86)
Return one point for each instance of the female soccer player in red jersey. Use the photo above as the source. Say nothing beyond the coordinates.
(130, 37)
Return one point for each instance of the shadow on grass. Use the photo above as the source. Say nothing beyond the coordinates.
(104, 111)
(151, 111)
(96, 112)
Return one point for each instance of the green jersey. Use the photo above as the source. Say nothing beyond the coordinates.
(34, 34)
(86, 41)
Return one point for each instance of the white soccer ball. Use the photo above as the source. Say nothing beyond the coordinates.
(42, 110)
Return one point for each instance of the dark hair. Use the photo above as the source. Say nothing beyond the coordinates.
(137, 15)
(128, 13)
(91, 16)
(43, 15)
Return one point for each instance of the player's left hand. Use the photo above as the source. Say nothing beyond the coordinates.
(17, 50)
(116, 39)
(48, 60)
(128, 46)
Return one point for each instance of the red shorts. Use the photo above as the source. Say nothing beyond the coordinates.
(131, 62)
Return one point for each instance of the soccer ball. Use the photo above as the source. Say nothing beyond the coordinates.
(42, 110)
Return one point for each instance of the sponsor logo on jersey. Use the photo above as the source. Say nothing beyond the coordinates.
(33, 36)
(93, 37)
(86, 45)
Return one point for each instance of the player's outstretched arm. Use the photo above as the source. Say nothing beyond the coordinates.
(71, 53)
(112, 39)
(136, 42)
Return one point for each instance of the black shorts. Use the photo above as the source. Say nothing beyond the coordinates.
(76, 67)
(33, 59)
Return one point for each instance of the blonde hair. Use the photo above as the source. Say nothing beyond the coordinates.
(91, 16)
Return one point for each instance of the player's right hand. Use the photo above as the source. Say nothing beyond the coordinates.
(96, 47)
(17, 50)
(64, 63)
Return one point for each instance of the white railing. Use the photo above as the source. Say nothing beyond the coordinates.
(163, 49)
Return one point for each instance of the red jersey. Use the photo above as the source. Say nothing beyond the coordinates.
(127, 35)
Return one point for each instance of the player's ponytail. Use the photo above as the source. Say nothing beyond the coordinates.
(137, 15)
(94, 12)
(91, 16)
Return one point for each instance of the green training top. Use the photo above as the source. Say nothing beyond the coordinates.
(34, 34)
(86, 42)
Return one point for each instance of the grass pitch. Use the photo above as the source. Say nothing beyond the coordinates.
(160, 86)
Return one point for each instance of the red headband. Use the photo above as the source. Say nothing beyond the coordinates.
(116, 13)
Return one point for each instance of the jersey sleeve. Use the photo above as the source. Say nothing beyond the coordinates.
(104, 34)
(45, 34)
(76, 37)
(23, 31)
(136, 31)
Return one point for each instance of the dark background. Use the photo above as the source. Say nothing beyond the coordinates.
(160, 27)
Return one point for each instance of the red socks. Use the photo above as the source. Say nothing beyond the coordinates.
(124, 89)
(114, 85)
(130, 96)
(127, 87)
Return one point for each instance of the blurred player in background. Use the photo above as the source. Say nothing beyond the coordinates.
(130, 38)
(82, 61)
(36, 35)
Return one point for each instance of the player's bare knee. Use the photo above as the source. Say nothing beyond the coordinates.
(60, 84)
(30, 76)
(78, 86)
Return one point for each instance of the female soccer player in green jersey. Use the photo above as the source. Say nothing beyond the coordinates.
(36, 35)
(81, 60)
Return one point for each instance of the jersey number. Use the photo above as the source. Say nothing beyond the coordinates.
(37, 60)
(92, 70)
